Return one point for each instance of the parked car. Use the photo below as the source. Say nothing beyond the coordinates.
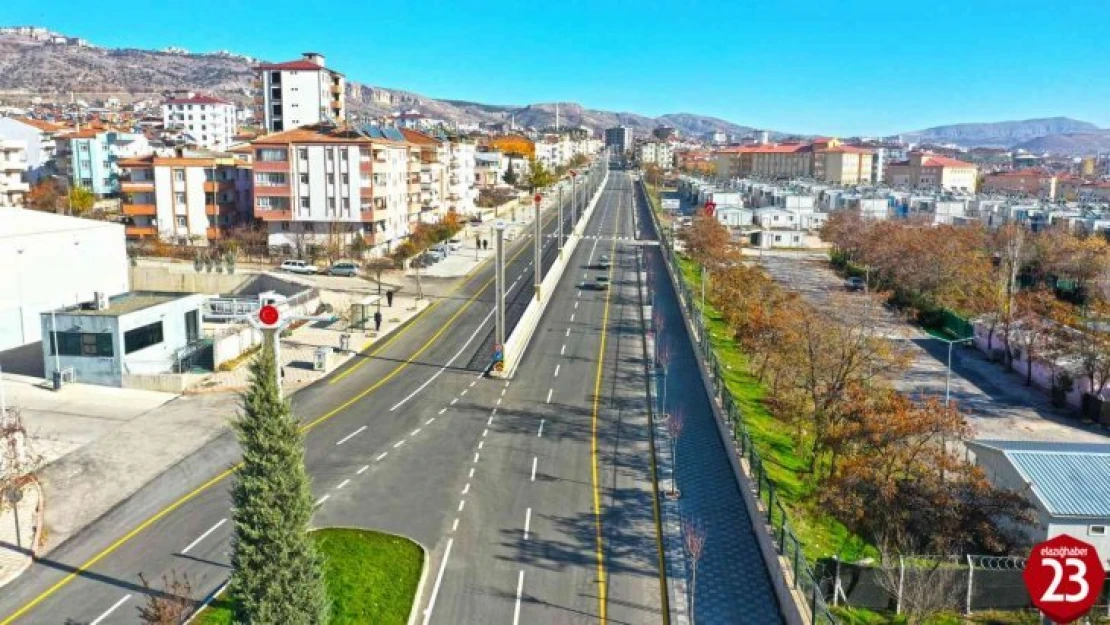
(299, 266)
(603, 262)
(435, 254)
(602, 283)
(343, 268)
(454, 245)
(440, 248)
(855, 283)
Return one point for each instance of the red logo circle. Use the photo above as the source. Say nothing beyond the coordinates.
(268, 315)
(1064, 577)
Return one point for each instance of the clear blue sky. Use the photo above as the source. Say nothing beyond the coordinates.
(836, 66)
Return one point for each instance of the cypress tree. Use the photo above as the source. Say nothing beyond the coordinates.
(278, 574)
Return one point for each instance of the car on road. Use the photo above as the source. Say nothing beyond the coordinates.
(454, 245)
(603, 262)
(299, 266)
(601, 282)
(855, 283)
(343, 268)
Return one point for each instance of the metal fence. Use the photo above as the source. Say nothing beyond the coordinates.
(802, 577)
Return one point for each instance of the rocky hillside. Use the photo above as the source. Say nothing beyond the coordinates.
(35, 68)
(1002, 134)
(1082, 143)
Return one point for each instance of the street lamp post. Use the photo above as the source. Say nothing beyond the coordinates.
(538, 245)
(573, 199)
(948, 371)
(499, 278)
(561, 224)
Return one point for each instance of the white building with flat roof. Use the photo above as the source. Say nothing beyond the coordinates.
(13, 169)
(299, 93)
(50, 261)
(208, 121)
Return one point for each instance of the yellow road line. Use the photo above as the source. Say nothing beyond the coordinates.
(602, 584)
(219, 478)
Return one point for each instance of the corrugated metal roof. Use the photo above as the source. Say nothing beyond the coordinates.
(1088, 448)
(1067, 483)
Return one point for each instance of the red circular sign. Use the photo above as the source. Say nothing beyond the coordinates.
(1064, 577)
(268, 315)
(538, 198)
(573, 173)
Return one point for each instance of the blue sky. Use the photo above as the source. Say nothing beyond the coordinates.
(838, 67)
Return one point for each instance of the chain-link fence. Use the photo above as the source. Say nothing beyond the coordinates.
(801, 577)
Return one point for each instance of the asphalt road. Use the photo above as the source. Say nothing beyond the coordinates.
(387, 439)
(555, 506)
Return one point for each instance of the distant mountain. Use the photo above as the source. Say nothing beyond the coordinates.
(1001, 134)
(1080, 143)
(31, 68)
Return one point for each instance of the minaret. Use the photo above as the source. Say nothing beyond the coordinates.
(556, 117)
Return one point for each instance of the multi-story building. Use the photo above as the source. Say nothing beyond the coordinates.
(766, 161)
(461, 194)
(299, 93)
(13, 166)
(844, 165)
(619, 139)
(190, 198)
(489, 169)
(659, 153)
(89, 158)
(924, 169)
(553, 151)
(427, 176)
(320, 184)
(39, 137)
(209, 122)
(514, 145)
(1032, 182)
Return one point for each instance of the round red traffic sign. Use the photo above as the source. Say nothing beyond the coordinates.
(1064, 577)
(268, 315)
(573, 173)
(538, 198)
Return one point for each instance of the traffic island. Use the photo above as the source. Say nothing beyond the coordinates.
(371, 577)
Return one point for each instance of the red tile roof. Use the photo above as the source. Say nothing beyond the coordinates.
(944, 161)
(318, 134)
(419, 138)
(197, 99)
(41, 124)
(301, 65)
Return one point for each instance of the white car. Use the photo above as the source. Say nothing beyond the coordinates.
(299, 266)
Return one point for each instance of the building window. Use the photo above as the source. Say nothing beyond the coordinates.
(345, 179)
(330, 155)
(270, 179)
(1096, 530)
(272, 155)
(179, 198)
(346, 204)
(179, 175)
(142, 337)
(309, 227)
(331, 203)
(304, 178)
(181, 221)
(304, 201)
(81, 344)
(302, 153)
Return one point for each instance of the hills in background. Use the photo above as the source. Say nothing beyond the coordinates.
(29, 68)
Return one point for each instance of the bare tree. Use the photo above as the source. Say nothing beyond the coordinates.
(17, 462)
(170, 604)
(693, 537)
(922, 586)
(375, 267)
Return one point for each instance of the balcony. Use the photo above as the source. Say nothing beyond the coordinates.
(266, 214)
(136, 210)
(366, 191)
(221, 208)
(280, 191)
(336, 89)
(139, 232)
(136, 186)
(276, 166)
(213, 186)
(214, 233)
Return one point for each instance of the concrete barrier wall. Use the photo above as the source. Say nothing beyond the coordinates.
(522, 333)
(155, 278)
(167, 383)
(235, 342)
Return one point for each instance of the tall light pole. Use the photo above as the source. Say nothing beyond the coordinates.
(538, 245)
(948, 371)
(573, 199)
(561, 224)
(499, 278)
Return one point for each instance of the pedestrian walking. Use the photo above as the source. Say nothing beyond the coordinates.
(389, 298)
(377, 320)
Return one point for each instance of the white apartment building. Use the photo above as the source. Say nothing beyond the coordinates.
(658, 153)
(489, 169)
(299, 93)
(39, 136)
(317, 185)
(461, 194)
(13, 166)
(209, 122)
(189, 198)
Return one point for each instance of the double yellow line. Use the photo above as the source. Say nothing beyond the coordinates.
(91, 562)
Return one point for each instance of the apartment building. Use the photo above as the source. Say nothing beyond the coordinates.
(39, 138)
(13, 167)
(461, 194)
(776, 161)
(844, 165)
(489, 169)
(513, 145)
(619, 139)
(1032, 182)
(427, 176)
(321, 184)
(924, 169)
(90, 158)
(299, 93)
(190, 198)
(209, 122)
(659, 153)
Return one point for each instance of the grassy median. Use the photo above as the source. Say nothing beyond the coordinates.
(371, 578)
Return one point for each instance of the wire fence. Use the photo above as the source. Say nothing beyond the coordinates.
(800, 575)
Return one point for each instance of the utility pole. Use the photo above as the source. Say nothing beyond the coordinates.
(573, 199)
(561, 224)
(538, 245)
(499, 278)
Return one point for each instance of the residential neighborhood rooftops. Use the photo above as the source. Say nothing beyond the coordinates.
(197, 99)
(43, 125)
(1068, 479)
(298, 65)
(323, 133)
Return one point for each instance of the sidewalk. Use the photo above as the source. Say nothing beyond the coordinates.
(18, 532)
